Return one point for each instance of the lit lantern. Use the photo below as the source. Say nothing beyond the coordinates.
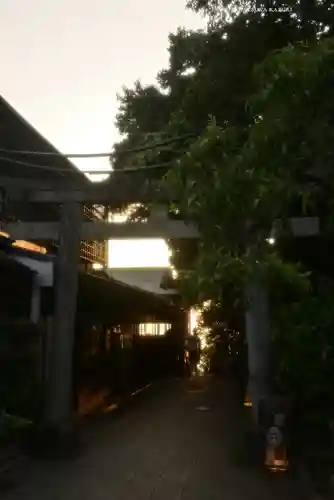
(248, 400)
(276, 450)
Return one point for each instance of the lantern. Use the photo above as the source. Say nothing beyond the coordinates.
(276, 459)
(248, 400)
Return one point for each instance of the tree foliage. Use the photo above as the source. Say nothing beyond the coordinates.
(304, 351)
(253, 151)
(314, 17)
(256, 90)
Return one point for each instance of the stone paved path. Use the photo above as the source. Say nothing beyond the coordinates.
(174, 443)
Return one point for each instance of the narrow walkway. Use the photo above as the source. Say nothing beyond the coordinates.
(173, 444)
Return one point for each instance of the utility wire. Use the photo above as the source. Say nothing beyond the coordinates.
(52, 169)
(91, 172)
(100, 155)
(40, 167)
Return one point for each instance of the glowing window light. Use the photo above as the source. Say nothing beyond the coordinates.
(26, 245)
(153, 329)
(194, 317)
(97, 266)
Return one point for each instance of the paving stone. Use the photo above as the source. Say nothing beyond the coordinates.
(163, 448)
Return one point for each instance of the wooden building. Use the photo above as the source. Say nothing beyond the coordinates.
(119, 334)
(17, 134)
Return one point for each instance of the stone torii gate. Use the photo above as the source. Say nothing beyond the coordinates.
(72, 228)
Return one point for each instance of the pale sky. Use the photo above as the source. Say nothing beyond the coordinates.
(63, 61)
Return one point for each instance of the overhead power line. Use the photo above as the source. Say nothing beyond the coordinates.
(84, 171)
(75, 170)
(99, 155)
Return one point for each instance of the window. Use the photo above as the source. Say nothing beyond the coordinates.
(155, 329)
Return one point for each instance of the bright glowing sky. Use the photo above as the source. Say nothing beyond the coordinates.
(63, 62)
(140, 253)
